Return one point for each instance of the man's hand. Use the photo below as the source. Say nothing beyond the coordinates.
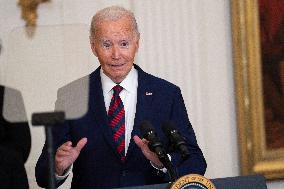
(66, 155)
(143, 145)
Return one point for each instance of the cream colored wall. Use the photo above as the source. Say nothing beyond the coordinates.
(186, 42)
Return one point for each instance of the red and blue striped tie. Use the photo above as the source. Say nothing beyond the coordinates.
(116, 118)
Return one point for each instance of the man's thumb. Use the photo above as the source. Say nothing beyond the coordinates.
(81, 144)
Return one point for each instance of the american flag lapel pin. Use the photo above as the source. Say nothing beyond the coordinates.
(149, 93)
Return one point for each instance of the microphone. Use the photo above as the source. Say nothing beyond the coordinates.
(176, 139)
(155, 144)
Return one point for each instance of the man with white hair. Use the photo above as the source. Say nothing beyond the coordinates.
(105, 146)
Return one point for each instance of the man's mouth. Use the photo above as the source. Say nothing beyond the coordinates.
(117, 65)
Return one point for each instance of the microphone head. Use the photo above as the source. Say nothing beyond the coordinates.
(178, 142)
(148, 132)
(167, 127)
(145, 128)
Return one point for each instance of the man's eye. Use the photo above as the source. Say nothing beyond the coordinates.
(106, 45)
(124, 44)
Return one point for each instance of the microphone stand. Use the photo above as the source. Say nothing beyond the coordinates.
(163, 157)
(48, 120)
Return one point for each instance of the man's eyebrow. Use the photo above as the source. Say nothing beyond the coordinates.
(108, 40)
(104, 40)
(126, 39)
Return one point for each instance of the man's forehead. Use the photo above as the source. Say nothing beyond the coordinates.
(108, 30)
(115, 34)
(115, 25)
(112, 40)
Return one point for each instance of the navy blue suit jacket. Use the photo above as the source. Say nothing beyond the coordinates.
(99, 165)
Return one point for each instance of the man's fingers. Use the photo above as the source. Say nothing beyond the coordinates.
(81, 144)
(67, 151)
(139, 142)
(143, 145)
(61, 153)
(65, 148)
(68, 143)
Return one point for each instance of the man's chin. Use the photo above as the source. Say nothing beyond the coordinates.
(117, 78)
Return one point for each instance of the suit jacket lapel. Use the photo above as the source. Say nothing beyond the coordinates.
(98, 110)
(143, 107)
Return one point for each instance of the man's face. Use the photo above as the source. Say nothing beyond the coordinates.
(115, 46)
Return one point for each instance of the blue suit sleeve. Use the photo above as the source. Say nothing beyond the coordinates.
(196, 162)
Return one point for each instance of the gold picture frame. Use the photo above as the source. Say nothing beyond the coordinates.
(255, 157)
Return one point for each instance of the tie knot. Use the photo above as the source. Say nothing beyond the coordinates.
(117, 89)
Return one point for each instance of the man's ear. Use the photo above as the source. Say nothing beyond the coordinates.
(93, 47)
(137, 44)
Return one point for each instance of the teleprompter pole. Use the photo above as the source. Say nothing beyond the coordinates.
(48, 120)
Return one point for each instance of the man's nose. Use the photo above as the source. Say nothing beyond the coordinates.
(115, 52)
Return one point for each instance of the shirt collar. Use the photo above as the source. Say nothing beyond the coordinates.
(130, 83)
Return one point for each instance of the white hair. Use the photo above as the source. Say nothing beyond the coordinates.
(112, 13)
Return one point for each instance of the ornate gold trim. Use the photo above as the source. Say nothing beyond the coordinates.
(29, 10)
(193, 181)
(254, 157)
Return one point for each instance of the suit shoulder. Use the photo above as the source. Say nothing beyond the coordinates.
(154, 81)
(161, 84)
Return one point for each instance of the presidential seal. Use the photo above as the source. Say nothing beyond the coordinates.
(193, 181)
